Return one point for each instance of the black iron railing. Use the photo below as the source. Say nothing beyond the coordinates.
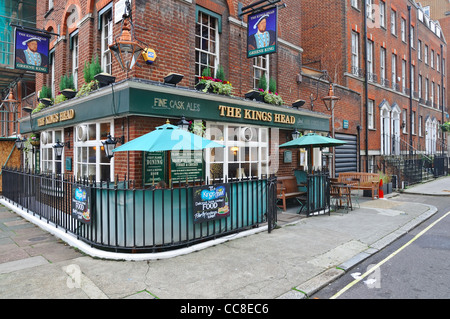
(125, 219)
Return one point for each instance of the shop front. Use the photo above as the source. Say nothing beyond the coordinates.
(117, 203)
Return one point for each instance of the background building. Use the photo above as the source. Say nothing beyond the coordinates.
(393, 58)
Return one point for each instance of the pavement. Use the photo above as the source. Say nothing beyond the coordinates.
(295, 260)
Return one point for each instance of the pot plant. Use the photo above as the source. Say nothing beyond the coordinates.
(90, 70)
(67, 86)
(271, 96)
(217, 85)
(45, 96)
(387, 184)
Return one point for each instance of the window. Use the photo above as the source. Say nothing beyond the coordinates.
(426, 54)
(426, 89)
(412, 37)
(354, 3)
(75, 60)
(89, 154)
(107, 39)
(438, 96)
(438, 62)
(382, 64)
(50, 4)
(260, 68)
(394, 70)
(50, 163)
(370, 10)
(404, 88)
(206, 43)
(403, 29)
(246, 152)
(393, 22)
(371, 116)
(382, 14)
(413, 85)
(432, 58)
(370, 60)
(413, 123)
(432, 93)
(419, 86)
(419, 50)
(404, 121)
(420, 126)
(355, 53)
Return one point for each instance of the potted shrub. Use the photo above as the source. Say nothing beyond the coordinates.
(45, 96)
(216, 85)
(67, 86)
(271, 96)
(387, 184)
(90, 70)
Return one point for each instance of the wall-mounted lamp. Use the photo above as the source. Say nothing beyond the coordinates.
(110, 144)
(173, 78)
(295, 134)
(58, 147)
(126, 49)
(20, 143)
(183, 124)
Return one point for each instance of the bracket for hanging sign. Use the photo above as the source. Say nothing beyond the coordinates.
(42, 32)
(255, 7)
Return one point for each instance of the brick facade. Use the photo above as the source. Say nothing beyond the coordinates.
(330, 24)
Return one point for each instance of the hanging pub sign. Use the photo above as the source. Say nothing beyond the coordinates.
(31, 51)
(211, 202)
(81, 204)
(262, 33)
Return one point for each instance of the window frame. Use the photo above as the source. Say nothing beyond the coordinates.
(213, 56)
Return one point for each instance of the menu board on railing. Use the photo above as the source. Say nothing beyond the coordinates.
(186, 165)
(81, 204)
(154, 167)
(211, 202)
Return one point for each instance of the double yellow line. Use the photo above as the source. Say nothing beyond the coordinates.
(386, 259)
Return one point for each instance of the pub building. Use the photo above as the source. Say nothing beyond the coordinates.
(142, 97)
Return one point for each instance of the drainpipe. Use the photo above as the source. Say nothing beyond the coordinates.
(410, 85)
(442, 99)
(366, 83)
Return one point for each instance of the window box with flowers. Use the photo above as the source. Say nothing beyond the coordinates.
(217, 85)
(261, 94)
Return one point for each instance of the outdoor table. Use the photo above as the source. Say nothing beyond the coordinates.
(341, 192)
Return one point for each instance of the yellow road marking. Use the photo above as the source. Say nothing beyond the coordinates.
(386, 259)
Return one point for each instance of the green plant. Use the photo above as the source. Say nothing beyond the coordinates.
(270, 96)
(272, 85)
(91, 69)
(60, 98)
(66, 82)
(386, 178)
(87, 87)
(38, 108)
(216, 85)
(445, 127)
(45, 93)
(220, 73)
(262, 83)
